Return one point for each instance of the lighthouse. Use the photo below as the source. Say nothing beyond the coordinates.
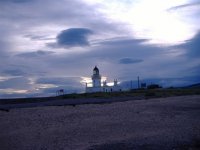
(96, 84)
(96, 77)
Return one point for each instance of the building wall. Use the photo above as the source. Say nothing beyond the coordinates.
(93, 89)
(111, 89)
(96, 82)
(103, 89)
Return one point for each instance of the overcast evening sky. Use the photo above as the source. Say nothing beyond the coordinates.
(47, 45)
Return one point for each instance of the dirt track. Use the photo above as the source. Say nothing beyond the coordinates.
(164, 123)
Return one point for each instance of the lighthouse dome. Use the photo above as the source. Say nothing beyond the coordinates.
(95, 68)
(95, 71)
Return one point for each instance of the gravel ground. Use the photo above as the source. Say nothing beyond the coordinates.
(165, 123)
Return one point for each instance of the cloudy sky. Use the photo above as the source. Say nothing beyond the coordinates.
(47, 45)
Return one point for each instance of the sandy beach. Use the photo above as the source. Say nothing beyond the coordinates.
(162, 123)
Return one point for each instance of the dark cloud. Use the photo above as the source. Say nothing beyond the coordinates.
(15, 1)
(184, 6)
(47, 13)
(15, 83)
(38, 37)
(67, 90)
(192, 46)
(14, 72)
(194, 70)
(69, 84)
(59, 81)
(121, 40)
(127, 48)
(129, 61)
(38, 53)
(4, 49)
(74, 37)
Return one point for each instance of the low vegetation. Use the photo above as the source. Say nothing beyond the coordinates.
(135, 93)
(144, 93)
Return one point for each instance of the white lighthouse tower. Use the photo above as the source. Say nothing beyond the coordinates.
(96, 84)
(96, 77)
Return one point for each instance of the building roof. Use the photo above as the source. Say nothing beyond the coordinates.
(95, 68)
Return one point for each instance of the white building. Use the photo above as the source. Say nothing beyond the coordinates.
(98, 87)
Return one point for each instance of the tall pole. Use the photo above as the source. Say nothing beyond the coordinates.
(131, 84)
(138, 82)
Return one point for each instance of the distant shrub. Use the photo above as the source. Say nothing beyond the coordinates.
(153, 86)
(171, 87)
